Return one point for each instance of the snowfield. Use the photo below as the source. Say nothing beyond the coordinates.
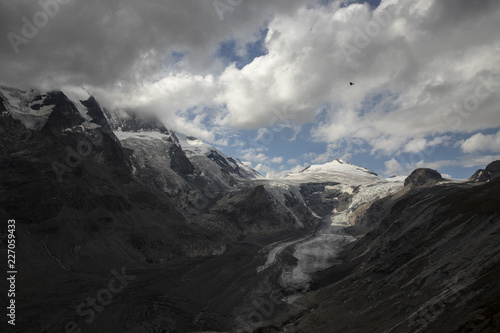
(338, 171)
(27, 108)
(21, 106)
(146, 135)
(365, 193)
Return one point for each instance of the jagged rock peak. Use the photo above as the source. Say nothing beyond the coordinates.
(491, 172)
(72, 106)
(423, 177)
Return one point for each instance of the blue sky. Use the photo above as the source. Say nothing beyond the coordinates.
(268, 81)
(286, 148)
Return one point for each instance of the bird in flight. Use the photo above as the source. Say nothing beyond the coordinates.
(351, 83)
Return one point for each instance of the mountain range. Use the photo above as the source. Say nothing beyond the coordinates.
(202, 242)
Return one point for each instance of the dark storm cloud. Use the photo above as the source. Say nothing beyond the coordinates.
(458, 19)
(101, 43)
(462, 10)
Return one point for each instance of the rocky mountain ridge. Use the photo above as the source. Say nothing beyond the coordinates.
(73, 147)
(93, 191)
(492, 171)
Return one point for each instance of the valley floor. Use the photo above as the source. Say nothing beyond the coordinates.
(213, 293)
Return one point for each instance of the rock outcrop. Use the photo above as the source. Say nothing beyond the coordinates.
(491, 172)
(423, 177)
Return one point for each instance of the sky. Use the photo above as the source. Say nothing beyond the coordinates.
(268, 81)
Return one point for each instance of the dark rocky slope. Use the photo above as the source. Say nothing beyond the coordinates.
(191, 230)
(213, 191)
(254, 210)
(430, 264)
(76, 190)
(492, 171)
(83, 211)
(72, 190)
(423, 177)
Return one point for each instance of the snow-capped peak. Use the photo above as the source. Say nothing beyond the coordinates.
(337, 170)
(193, 146)
(337, 165)
(32, 107)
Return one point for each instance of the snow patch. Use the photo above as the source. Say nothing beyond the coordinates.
(396, 179)
(76, 95)
(149, 135)
(365, 193)
(194, 146)
(22, 106)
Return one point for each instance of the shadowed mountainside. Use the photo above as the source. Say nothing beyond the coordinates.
(431, 263)
(92, 193)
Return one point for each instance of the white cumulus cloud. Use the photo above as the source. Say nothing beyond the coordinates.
(482, 143)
